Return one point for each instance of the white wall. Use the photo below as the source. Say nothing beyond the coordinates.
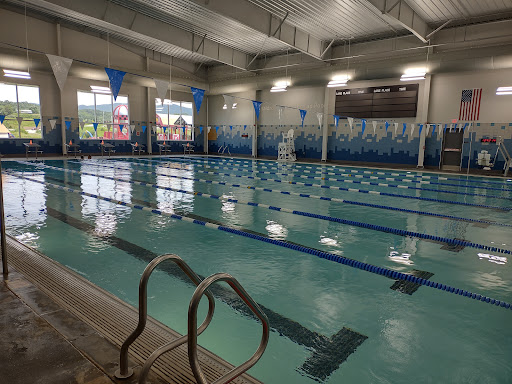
(446, 92)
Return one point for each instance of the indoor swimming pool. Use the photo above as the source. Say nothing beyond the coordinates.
(319, 247)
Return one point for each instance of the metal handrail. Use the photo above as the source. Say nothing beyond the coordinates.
(192, 328)
(124, 371)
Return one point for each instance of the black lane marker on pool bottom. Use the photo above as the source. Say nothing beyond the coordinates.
(409, 287)
(328, 353)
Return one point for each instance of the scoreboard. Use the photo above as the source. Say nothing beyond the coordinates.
(380, 102)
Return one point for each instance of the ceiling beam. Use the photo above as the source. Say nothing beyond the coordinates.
(257, 18)
(398, 11)
(120, 20)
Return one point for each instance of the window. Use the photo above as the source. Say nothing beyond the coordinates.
(20, 101)
(171, 118)
(111, 116)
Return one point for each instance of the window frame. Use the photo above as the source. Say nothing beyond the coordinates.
(18, 113)
(112, 108)
(173, 126)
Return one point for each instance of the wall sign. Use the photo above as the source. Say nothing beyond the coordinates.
(488, 140)
(379, 102)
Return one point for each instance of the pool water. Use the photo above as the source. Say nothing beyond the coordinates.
(331, 322)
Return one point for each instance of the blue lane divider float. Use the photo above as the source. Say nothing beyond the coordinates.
(409, 174)
(380, 228)
(323, 255)
(366, 183)
(333, 199)
(507, 209)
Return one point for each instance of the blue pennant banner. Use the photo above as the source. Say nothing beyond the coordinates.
(363, 124)
(200, 129)
(421, 128)
(445, 127)
(217, 129)
(405, 127)
(121, 126)
(37, 121)
(245, 126)
(95, 126)
(336, 120)
(144, 129)
(198, 97)
(184, 130)
(116, 80)
(165, 128)
(68, 124)
(302, 116)
(465, 126)
(2, 118)
(433, 128)
(387, 126)
(231, 127)
(257, 108)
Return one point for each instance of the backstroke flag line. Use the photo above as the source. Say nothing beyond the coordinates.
(60, 66)
(116, 80)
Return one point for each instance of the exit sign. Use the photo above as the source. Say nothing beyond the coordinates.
(488, 140)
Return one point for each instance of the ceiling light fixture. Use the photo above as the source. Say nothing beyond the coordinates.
(225, 106)
(234, 105)
(338, 81)
(17, 74)
(504, 91)
(280, 86)
(414, 74)
(97, 89)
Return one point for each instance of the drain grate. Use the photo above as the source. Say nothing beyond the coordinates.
(113, 318)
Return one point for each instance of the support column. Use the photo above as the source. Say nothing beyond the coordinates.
(423, 119)
(325, 127)
(149, 128)
(61, 101)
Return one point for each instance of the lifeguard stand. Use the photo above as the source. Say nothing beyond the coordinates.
(286, 149)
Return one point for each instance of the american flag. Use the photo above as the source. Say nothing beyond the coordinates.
(470, 104)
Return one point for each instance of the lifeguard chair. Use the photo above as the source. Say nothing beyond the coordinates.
(286, 149)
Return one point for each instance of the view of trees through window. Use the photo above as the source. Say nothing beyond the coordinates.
(20, 101)
(111, 116)
(171, 118)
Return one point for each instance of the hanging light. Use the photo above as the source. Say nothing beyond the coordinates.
(234, 105)
(338, 81)
(97, 89)
(280, 86)
(504, 91)
(414, 74)
(225, 106)
(17, 74)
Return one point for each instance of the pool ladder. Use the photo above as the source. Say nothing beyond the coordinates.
(191, 337)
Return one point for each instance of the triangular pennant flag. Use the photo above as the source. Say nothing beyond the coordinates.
(36, 122)
(387, 126)
(465, 126)
(184, 128)
(20, 120)
(95, 126)
(132, 127)
(217, 129)
(161, 88)
(257, 108)
(68, 124)
(421, 128)
(350, 122)
(396, 127)
(245, 126)
(231, 127)
(428, 129)
(320, 117)
(154, 128)
(165, 128)
(198, 95)
(121, 126)
(302, 116)
(144, 129)
(200, 129)
(336, 121)
(412, 129)
(363, 124)
(53, 122)
(116, 80)
(2, 118)
(433, 128)
(82, 124)
(405, 127)
(374, 123)
(445, 127)
(60, 66)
